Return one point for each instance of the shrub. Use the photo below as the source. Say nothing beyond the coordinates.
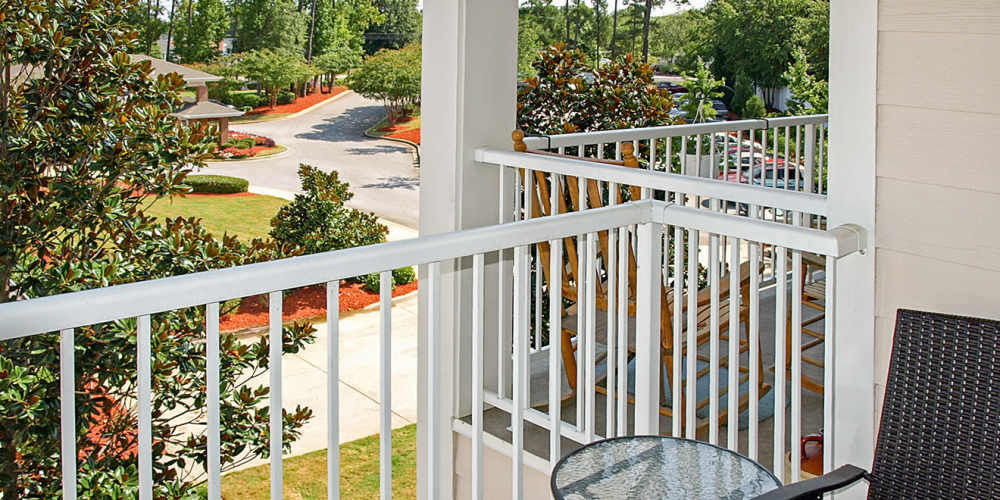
(742, 91)
(246, 100)
(286, 97)
(372, 282)
(403, 276)
(216, 184)
(754, 108)
(317, 220)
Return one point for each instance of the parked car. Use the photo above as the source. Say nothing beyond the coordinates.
(781, 178)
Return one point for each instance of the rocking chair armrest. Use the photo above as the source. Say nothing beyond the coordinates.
(814, 488)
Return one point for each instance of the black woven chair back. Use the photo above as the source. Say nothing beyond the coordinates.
(939, 435)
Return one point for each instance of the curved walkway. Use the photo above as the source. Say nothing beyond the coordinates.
(382, 174)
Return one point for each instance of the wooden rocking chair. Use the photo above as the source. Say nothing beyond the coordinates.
(569, 201)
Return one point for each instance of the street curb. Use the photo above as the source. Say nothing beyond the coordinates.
(416, 147)
(297, 113)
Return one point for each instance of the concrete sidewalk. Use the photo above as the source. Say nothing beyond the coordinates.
(304, 375)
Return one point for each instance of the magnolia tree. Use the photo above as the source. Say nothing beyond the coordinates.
(393, 77)
(569, 96)
(86, 142)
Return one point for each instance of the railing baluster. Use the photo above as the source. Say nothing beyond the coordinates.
(555, 349)
(714, 320)
(503, 272)
(478, 299)
(67, 408)
(690, 352)
(212, 362)
(610, 333)
(622, 330)
(676, 387)
(829, 361)
(385, 384)
(520, 367)
(581, 311)
(434, 430)
(144, 373)
(780, 296)
(647, 334)
(735, 298)
(275, 415)
(796, 360)
(333, 389)
(590, 357)
(754, 338)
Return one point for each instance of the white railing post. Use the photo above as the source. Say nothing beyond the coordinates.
(67, 401)
(434, 427)
(275, 413)
(144, 407)
(647, 376)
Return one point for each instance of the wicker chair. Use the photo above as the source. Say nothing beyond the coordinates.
(938, 436)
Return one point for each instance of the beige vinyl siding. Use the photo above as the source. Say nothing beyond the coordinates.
(937, 209)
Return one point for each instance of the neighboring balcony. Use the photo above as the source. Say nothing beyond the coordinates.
(600, 304)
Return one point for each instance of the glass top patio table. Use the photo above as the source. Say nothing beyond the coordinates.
(658, 467)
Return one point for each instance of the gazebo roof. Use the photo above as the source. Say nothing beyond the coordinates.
(192, 76)
(205, 110)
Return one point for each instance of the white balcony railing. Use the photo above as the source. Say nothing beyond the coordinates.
(643, 231)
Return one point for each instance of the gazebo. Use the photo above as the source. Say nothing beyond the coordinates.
(202, 109)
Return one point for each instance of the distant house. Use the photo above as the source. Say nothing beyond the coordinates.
(201, 109)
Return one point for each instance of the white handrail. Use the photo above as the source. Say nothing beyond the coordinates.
(809, 203)
(632, 134)
(70, 310)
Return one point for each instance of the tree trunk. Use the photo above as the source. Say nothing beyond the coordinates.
(566, 12)
(170, 29)
(645, 31)
(614, 33)
(312, 31)
(597, 24)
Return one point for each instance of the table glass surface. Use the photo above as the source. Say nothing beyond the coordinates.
(658, 467)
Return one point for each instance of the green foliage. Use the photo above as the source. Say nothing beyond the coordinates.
(88, 141)
(391, 76)
(217, 184)
(338, 60)
(400, 25)
(274, 71)
(809, 95)
(277, 25)
(671, 35)
(245, 100)
(702, 88)
(285, 97)
(559, 100)
(742, 91)
(754, 108)
(756, 38)
(197, 38)
(372, 282)
(317, 220)
(343, 23)
(403, 276)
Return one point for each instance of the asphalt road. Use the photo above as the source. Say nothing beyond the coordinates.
(382, 174)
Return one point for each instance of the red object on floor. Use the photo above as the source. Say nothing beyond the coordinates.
(410, 135)
(298, 105)
(303, 304)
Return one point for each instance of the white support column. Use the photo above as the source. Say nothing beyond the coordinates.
(647, 347)
(468, 100)
(853, 70)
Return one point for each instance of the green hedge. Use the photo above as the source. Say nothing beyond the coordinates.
(285, 97)
(246, 100)
(216, 184)
(401, 276)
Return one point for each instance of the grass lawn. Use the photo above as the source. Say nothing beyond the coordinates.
(305, 475)
(245, 216)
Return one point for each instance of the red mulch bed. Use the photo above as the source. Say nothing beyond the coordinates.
(304, 304)
(399, 132)
(298, 105)
(220, 195)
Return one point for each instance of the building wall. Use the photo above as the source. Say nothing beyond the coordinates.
(938, 185)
